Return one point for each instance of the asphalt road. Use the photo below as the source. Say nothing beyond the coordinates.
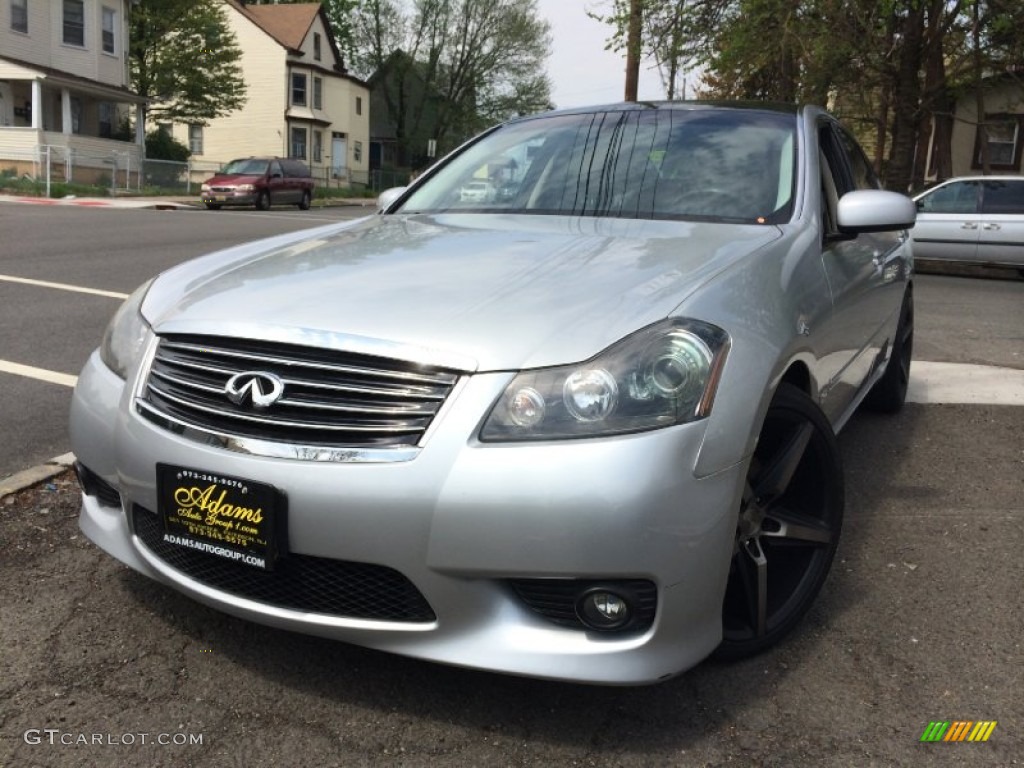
(113, 250)
(920, 619)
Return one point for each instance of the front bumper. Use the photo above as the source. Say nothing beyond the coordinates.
(229, 198)
(459, 521)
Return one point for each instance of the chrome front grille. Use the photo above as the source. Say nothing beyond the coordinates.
(330, 399)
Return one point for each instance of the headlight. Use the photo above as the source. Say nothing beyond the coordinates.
(665, 374)
(244, 188)
(123, 339)
(204, 188)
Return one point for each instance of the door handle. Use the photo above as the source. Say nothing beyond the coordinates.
(968, 225)
(991, 226)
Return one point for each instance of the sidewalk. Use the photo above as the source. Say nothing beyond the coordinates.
(167, 202)
(159, 203)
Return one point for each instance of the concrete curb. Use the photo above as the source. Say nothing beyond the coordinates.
(37, 474)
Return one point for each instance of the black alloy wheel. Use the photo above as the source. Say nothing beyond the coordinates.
(263, 200)
(788, 527)
(304, 203)
(890, 391)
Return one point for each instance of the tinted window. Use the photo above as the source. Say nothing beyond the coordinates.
(1003, 197)
(863, 173)
(295, 168)
(957, 197)
(735, 165)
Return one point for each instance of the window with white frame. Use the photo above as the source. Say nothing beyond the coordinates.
(357, 151)
(299, 89)
(19, 15)
(195, 139)
(74, 22)
(316, 46)
(298, 144)
(318, 146)
(109, 30)
(1004, 142)
(318, 93)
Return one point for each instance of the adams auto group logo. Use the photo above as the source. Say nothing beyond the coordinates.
(959, 730)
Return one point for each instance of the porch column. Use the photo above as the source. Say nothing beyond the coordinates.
(65, 111)
(37, 104)
(140, 125)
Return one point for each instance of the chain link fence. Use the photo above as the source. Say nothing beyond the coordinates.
(57, 171)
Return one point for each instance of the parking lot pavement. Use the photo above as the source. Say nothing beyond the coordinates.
(918, 622)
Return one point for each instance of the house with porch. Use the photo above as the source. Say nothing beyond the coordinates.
(63, 89)
(301, 102)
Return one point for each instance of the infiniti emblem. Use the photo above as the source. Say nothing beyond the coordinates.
(261, 388)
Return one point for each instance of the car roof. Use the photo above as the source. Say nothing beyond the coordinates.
(637, 106)
(991, 177)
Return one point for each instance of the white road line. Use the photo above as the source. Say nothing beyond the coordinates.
(969, 384)
(63, 286)
(41, 374)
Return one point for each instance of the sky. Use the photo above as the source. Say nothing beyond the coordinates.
(582, 72)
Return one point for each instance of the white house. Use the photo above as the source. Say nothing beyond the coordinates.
(300, 100)
(63, 84)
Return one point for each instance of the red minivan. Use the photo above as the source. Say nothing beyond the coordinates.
(260, 181)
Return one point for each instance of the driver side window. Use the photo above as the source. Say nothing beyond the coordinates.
(834, 182)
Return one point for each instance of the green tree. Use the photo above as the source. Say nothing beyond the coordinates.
(891, 68)
(184, 58)
(465, 64)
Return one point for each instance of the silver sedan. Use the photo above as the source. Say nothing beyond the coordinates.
(584, 430)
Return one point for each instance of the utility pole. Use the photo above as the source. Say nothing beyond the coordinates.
(633, 49)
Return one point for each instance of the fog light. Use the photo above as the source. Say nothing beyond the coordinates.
(601, 609)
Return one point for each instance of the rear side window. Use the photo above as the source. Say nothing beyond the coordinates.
(957, 197)
(1003, 197)
(294, 168)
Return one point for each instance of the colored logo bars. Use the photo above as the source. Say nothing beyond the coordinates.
(959, 730)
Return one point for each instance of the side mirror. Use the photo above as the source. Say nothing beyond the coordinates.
(389, 196)
(875, 210)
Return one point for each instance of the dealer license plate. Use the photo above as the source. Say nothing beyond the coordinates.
(224, 516)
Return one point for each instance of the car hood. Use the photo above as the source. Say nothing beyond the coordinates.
(483, 292)
(235, 178)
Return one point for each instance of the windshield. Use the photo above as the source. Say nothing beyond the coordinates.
(248, 167)
(709, 164)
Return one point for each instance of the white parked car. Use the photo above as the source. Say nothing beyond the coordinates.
(477, 192)
(973, 219)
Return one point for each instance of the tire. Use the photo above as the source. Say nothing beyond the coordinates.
(263, 200)
(306, 200)
(788, 527)
(212, 206)
(890, 391)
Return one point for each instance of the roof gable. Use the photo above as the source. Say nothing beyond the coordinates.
(288, 24)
